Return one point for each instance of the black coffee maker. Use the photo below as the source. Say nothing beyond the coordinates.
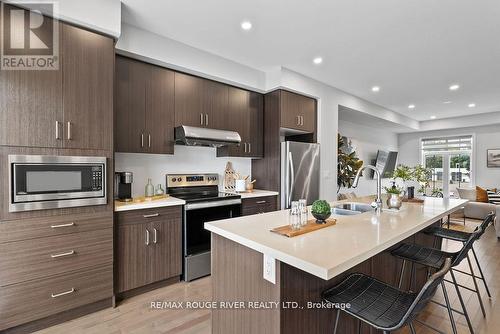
(123, 186)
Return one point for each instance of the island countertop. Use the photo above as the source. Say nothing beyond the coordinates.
(331, 251)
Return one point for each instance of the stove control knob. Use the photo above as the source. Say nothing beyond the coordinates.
(174, 179)
(179, 179)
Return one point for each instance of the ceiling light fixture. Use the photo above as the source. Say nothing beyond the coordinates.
(433, 117)
(246, 25)
(411, 106)
(375, 89)
(318, 60)
(454, 87)
(446, 102)
(472, 105)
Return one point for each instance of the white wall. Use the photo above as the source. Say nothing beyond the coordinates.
(187, 159)
(486, 137)
(367, 141)
(167, 52)
(100, 15)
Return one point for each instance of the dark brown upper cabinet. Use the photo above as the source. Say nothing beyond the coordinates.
(200, 102)
(66, 108)
(298, 112)
(144, 108)
(245, 116)
(87, 64)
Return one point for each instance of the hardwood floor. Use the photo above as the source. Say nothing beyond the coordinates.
(135, 315)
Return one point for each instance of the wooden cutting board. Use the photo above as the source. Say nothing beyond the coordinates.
(311, 226)
(413, 200)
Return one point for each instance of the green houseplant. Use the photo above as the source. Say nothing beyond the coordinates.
(321, 210)
(348, 164)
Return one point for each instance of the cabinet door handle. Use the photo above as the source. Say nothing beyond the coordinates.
(147, 237)
(206, 119)
(70, 125)
(155, 235)
(149, 140)
(298, 120)
(62, 225)
(201, 119)
(55, 295)
(142, 139)
(151, 215)
(245, 147)
(249, 147)
(261, 202)
(55, 256)
(58, 132)
(302, 120)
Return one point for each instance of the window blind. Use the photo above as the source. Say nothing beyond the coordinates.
(447, 144)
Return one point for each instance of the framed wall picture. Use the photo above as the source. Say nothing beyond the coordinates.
(493, 158)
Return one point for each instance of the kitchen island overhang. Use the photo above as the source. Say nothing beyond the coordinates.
(308, 264)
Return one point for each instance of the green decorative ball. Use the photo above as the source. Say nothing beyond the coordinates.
(321, 207)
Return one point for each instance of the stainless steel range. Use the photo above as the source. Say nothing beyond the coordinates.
(204, 203)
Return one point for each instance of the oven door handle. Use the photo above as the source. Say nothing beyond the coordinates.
(212, 204)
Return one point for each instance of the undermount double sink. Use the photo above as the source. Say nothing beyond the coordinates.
(350, 209)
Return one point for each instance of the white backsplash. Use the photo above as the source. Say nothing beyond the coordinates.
(187, 159)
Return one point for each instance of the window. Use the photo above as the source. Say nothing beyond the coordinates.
(450, 159)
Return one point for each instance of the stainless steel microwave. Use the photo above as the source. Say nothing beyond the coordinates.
(49, 182)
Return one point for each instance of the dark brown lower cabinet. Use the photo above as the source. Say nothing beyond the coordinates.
(149, 246)
(256, 205)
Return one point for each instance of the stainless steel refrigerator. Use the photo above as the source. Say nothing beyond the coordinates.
(299, 172)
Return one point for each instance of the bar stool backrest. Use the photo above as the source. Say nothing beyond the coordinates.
(478, 232)
(426, 293)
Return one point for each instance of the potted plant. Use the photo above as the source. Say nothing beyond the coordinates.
(422, 175)
(348, 164)
(395, 199)
(321, 210)
(404, 173)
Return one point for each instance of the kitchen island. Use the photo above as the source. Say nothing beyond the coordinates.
(298, 269)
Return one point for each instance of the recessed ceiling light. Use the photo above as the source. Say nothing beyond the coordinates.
(411, 106)
(433, 117)
(472, 105)
(454, 87)
(375, 89)
(447, 102)
(246, 25)
(318, 60)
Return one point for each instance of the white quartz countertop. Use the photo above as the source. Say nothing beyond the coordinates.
(331, 251)
(258, 193)
(169, 201)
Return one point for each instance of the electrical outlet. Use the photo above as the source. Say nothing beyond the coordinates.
(270, 268)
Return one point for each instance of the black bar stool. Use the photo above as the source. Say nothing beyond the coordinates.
(461, 236)
(381, 305)
(434, 258)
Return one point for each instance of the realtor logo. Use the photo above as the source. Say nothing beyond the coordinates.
(29, 40)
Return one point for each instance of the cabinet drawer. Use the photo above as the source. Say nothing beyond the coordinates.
(37, 258)
(21, 303)
(25, 229)
(252, 206)
(146, 215)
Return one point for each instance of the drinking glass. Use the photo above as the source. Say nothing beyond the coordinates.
(304, 214)
(294, 216)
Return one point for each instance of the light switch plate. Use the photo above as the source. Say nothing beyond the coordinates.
(270, 269)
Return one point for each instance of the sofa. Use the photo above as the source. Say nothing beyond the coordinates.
(478, 210)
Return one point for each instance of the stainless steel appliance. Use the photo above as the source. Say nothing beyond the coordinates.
(50, 182)
(195, 136)
(204, 203)
(300, 172)
(123, 186)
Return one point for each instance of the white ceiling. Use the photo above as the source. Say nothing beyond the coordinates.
(412, 49)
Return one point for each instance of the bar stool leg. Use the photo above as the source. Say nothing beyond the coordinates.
(466, 314)
(412, 328)
(481, 272)
(336, 322)
(400, 283)
(476, 286)
(448, 306)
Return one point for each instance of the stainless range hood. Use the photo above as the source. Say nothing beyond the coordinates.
(194, 136)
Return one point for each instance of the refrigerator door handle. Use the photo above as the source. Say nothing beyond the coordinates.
(292, 179)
